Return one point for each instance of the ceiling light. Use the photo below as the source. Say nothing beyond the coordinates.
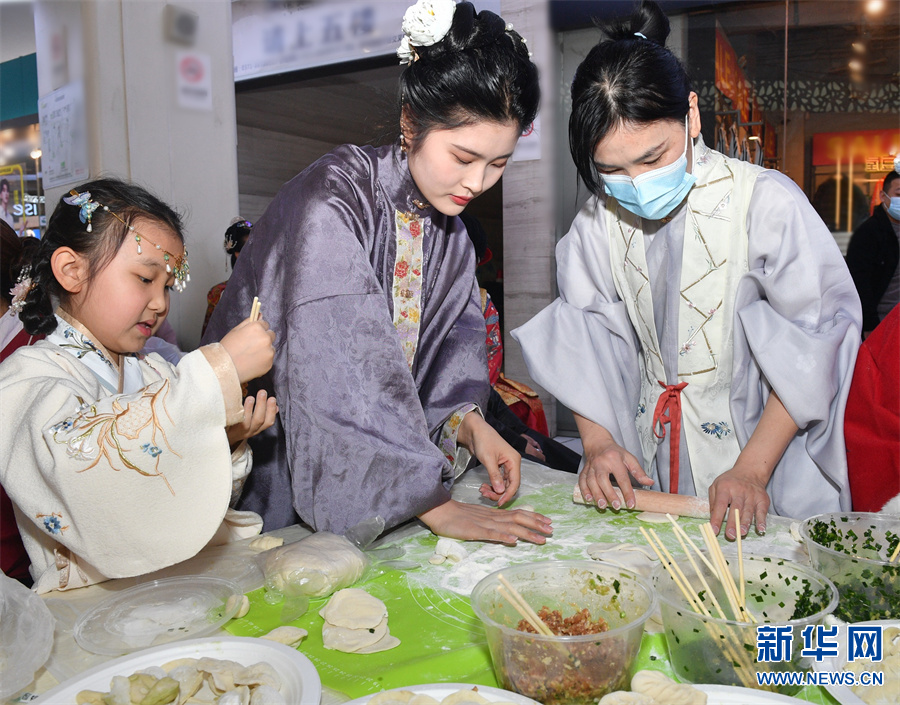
(36, 154)
(855, 65)
(859, 46)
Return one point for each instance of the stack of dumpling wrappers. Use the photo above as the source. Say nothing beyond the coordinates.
(356, 623)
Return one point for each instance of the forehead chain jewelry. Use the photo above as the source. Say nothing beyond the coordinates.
(175, 265)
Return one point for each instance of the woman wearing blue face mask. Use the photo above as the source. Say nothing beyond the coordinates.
(707, 327)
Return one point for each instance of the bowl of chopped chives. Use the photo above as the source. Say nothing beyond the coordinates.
(712, 614)
(854, 549)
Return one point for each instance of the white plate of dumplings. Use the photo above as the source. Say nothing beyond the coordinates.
(444, 693)
(300, 683)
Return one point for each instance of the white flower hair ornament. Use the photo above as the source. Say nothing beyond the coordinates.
(425, 23)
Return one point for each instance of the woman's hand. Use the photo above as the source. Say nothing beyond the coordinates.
(474, 522)
(603, 457)
(742, 489)
(500, 459)
(533, 448)
(744, 486)
(259, 414)
(250, 345)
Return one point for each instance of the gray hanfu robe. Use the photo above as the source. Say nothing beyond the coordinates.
(358, 426)
(796, 330)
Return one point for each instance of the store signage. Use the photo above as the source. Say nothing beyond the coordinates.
(291, 36)
(875, 149)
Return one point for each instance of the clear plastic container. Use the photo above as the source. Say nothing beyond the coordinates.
(852, 549)
(724, 651)
(565, 669)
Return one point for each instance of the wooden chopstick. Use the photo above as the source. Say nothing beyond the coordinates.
(523, 608)
(737, 523)
(894, 554)
(681, 532)
(254, 309)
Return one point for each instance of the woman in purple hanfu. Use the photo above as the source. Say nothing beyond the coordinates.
(367, 277)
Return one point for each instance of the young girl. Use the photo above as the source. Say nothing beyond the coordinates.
(702, 301)
(370, 282)
(119, 464)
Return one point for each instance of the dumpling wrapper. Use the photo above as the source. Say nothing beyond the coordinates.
(386, 643)
(352, 640)
(353, 608)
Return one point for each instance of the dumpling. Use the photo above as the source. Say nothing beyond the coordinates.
(663, 689)
(623, 697)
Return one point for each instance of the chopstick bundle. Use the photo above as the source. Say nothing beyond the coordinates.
(511, 595)
(738, 656)
(254, 309)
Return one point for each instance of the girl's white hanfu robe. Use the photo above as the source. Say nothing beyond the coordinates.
(115, 475)
(740, 292)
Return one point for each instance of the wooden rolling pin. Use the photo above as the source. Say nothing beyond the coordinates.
(662, 502)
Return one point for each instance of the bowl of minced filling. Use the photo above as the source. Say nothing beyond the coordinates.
(563, 631)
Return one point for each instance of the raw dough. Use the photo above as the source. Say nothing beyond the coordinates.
(243, 607)
(292, 636)
(448, 549)
(354, 609)
(315, 566)
(465, 696)
(264, 543)
(623, 697)
(350, 640)
(655, 517)
(640, 559)
(387, 642)
(392, 697)
(356, 622)
(663, 689)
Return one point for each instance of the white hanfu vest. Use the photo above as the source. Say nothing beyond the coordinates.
(714, 258)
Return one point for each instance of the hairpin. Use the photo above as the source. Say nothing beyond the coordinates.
(20, 291)
(638, 34)
(175, 265)
(509, 28)
(84, 202)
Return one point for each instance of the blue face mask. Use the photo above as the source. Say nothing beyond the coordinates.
(656, 193)
(894, 209)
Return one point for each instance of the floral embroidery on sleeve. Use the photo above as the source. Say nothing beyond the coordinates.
(91, 435)
(52, 523)
(407, 284)
(458, 456)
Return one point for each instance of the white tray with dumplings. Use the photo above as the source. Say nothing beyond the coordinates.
(300, 683)
(452, 693)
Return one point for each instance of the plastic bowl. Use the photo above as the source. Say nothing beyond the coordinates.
(852, 549)
(565, 669)
(724, 651)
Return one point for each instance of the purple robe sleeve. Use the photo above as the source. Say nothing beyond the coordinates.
(355, 428)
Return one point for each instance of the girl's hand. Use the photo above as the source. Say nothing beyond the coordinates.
(603, 461)
(742, 489)
(474, 522)
(250, 346)
(259, 414)
(502, 462)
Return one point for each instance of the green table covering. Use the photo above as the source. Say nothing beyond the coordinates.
(429, 611)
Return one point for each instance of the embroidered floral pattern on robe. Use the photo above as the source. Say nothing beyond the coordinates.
(91, 435)
(407, 286)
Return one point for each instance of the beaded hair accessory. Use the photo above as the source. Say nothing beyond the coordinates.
(20, 291)
(175, 265)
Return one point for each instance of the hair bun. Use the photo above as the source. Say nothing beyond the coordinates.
(647, 23)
